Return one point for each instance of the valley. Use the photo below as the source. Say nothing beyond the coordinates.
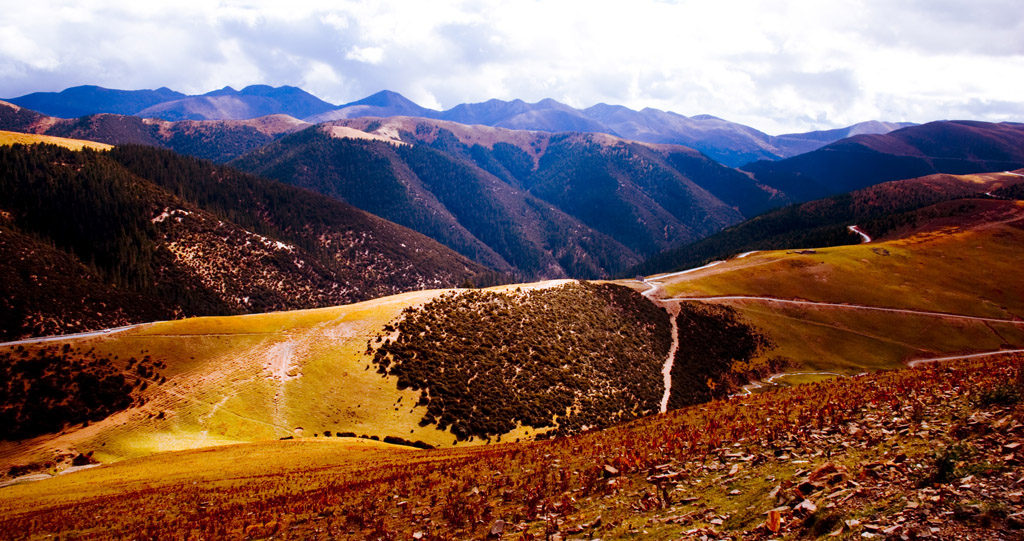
(400, 326)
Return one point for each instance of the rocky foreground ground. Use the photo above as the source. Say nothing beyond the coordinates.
(932, 452)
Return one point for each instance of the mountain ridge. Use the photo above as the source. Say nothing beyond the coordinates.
(730, 143)
(567, 182)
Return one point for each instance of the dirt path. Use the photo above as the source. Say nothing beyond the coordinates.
(666, 369)
(864, 238)
(687, 271)
(770, 381)
(916, 362)
(101, 332)
(850, 307)
(673, 310)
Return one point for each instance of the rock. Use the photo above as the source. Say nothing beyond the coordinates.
(610, 471)
(806, 506)
(822, 471)
(807, 488)
(1015, 521)
(497, 528)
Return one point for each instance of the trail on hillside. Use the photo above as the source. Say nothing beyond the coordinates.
(76, 336)
(916, 362)
(673, 311)
(864, 238)
(850, 307)
(770, 380)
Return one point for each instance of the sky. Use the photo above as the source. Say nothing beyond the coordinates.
(779, 66)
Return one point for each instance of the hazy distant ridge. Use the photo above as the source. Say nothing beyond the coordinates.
(727, 142)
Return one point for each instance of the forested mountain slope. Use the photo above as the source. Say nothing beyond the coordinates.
(878, 210)
(138, 233)
(546, 205)
(953, 147)
(217, 140)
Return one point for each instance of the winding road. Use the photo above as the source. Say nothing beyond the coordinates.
(864, 238)
(850, 307)
(101, 332)
(916, 362)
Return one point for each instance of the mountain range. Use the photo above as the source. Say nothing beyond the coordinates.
(954, 147)
(727, 142)
(370, 346)
(539, 204)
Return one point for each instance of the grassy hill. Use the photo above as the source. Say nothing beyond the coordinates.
(943, 286)
(11, 138)
(882, 210)
(350, 370)
(438, 369)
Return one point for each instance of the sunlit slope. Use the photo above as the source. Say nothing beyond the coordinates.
(10, 138)
(247, 378)
(951, 285)
(218, 380)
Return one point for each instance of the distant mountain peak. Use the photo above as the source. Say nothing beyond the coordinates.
(226, 91)
(384, 98)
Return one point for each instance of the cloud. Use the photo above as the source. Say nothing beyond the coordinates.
(778, 65)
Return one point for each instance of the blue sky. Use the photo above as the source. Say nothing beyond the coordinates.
(780, 66)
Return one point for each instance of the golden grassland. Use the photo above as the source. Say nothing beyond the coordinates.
(967, 268)
(10, 138)
(250, 378)
(720, 460)
(303, 373)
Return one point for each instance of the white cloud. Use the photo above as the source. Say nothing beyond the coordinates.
(777, 65)
(369, 55)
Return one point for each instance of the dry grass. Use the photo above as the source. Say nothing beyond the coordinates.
(11, 138)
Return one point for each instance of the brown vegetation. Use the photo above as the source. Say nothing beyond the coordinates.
(575, 357)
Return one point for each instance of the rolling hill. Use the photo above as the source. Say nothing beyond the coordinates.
(881, 210)
(155, 235)
(895, 437)
(359, 391)
(940, 285)
(546, 205)
(450, 367)
(954, 147)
